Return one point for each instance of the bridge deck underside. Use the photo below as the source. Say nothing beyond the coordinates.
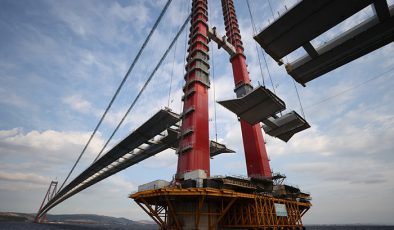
(157, 134)
(309, 19)
(136, 147)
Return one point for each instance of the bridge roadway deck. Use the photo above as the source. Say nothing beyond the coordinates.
(156, 135)
(126, 153)
(356, 42)
(309, 19)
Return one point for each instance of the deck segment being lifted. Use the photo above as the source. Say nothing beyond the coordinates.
(309, 19)
(284, 127)
(255, 106)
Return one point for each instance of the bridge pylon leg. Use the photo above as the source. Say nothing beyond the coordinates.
(49, 194)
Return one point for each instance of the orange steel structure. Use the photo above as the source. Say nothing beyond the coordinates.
(209, 208)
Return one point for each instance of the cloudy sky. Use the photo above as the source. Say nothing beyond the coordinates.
(61, 62)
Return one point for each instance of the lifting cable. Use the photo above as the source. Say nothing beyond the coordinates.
(214, 93)
(294, 83)
(172, 73)
(265, 59)
(184, 57)
(174, 59)
(298, 95)
(299, 99)
(118, 89)
(254, 33)
(213, 84)
(272, 11)
(145, 85)
(268, 70)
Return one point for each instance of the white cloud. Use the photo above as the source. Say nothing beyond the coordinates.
(13, 99)
(165, 159)
(48, 146)
(137, 14)
(24, 177)
(40, 157)
(120, 184)
(77, 103)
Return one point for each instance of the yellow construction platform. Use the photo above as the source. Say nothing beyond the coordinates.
(210, 208)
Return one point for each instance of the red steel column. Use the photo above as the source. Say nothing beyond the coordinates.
(257, 162)
(193, 150)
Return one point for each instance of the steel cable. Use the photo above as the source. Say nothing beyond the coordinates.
(254, 33)
(144, 86)
(118, 90)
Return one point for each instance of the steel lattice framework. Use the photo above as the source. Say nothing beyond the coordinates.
(218, 208)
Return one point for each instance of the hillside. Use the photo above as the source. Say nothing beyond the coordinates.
(79, 219)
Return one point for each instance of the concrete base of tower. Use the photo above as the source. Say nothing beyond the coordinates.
(175, 207)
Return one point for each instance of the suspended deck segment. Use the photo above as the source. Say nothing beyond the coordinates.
(146, 141)
(286, 126)
(216, 148)
(261, 105)
(255, 106)
(309, 19)
(305, 21)
(156, 135)
(363, 39)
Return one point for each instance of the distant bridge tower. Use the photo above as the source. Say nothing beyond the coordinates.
(48, 196)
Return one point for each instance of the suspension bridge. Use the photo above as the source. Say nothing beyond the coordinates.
(194, 198)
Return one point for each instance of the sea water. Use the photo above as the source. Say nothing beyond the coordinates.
(33, 226)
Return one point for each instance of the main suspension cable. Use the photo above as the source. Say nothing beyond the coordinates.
(144, 86)
(118, 89)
